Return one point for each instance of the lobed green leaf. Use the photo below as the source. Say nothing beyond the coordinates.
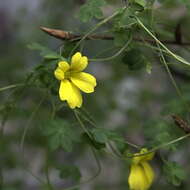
(91, 9)
(60, 135)
(174, 173)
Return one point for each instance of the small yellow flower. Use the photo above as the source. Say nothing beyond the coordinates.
(73, 80)
(141, 174)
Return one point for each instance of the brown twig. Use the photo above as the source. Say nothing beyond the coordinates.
(181, 123)
(64, 35)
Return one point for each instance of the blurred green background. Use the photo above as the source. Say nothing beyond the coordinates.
(127, 98)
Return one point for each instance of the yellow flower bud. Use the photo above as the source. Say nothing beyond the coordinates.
(141, 173)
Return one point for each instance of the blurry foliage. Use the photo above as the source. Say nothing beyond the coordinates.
(91, 9)
(132, 87)
(67, 171)
(175, 174)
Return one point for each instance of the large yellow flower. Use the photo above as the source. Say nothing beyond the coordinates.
(73, 80)
(141, 174)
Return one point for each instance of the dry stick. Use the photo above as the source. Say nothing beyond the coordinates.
(64, 35)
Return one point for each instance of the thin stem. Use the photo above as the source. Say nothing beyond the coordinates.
(5, 116)
(49, 184)
(115, 55)
(177, 57)
(90, 136)
(24, 136)
(161, 146)
(129, 143)
(102, 52)
(153, 47)
(91, 178)
(88, 114)
(167, 68)
(112, 154)
(53, 112)
(95, 125)
(82, 125)
(95, 28)
(10, 87)
(50, 187)
(1, 178)
(170, 75)
(85, 118)
(170, 143)
(115, 151)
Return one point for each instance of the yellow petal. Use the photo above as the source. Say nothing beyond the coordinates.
(76, 57)
(149, 172)
(78, 63)
(137, 158)
(63, 65)
(137, 178)
(84, 81)
(70, 93)
(59, 74)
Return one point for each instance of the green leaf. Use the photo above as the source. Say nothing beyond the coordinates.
(121, 37)
(85, 14)
(174, 173)
(60, 135)
(69, 171)
(122, 25)
(187, 3)
(123, 20)
(92, 142)
(163, 135)
(134, 59)
(44, 51)
(102, 135)
(177, 107)
(43, 75)
(141, 2)
(137, 5)
(91, 9)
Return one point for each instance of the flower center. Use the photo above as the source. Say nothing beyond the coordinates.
(69, 73)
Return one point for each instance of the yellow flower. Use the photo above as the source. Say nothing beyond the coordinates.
(72, 80)
(141, 174)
